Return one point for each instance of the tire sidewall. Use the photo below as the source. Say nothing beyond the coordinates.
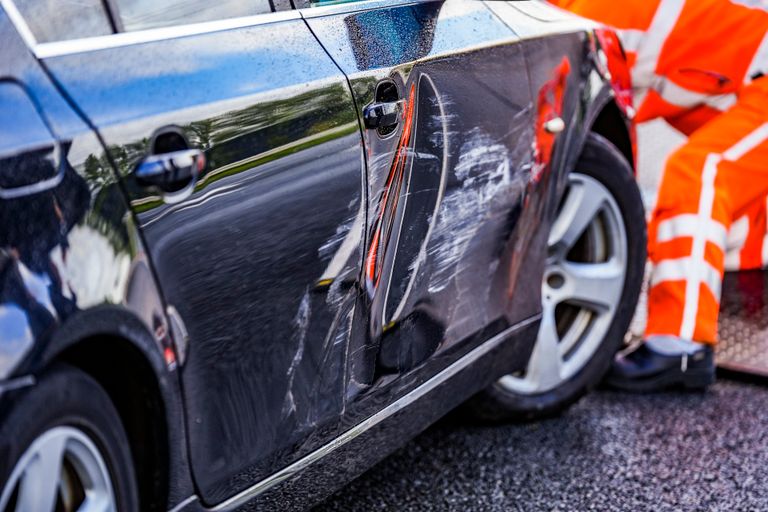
(66, 396)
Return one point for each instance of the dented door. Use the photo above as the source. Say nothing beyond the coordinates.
(453, 191)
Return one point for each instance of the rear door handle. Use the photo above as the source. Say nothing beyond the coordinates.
(171, 172)
(383, 115)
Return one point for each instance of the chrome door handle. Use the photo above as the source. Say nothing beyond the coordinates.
(383, 115)
(554, 126)
(172, 171)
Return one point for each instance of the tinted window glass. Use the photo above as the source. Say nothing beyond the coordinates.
(57, 20)
(143, 14)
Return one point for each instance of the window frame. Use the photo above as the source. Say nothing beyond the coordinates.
(113, 13)
(43, 50)
(287, 11)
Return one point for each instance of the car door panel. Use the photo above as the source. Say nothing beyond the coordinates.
(556, 47)
(262, 259)
(452, 193)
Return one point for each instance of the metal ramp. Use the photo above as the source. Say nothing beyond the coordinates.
(743, 347)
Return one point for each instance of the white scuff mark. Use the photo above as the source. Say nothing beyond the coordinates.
(484, 172)
(328, 249)
(438, 137)
(301, 322)
(335, 296)
(343, 251)
(477, 154)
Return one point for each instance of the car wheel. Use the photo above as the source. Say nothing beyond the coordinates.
(63, 448)
(594, 272)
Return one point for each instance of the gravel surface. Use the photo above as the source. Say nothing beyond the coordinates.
(612, 451)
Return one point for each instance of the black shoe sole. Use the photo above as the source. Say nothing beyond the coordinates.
(699, 379)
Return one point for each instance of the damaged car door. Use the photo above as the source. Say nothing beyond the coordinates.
(454, 194)
(239, 147)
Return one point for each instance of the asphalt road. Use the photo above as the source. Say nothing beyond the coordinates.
(612, 451)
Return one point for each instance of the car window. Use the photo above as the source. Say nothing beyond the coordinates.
(59, 20)
(144, 14)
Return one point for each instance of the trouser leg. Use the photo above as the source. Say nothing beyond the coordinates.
(714, 178)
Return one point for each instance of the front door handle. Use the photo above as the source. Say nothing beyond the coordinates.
(170, 172)
(383, 115)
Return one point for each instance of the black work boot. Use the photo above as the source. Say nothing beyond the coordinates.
(663, 363)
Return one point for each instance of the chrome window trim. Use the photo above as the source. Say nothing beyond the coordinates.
(89, 44)
(398, 405)
(355, 6)
(18, 21)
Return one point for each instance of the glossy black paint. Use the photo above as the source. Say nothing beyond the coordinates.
(255, 260)
(316, 271)
(72, 264)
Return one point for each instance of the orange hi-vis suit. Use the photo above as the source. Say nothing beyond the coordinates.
(700, 64)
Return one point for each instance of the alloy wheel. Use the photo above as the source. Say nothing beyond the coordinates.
(61, 470)
(583, 282)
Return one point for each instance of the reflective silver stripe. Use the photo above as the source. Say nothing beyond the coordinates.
(648, 53)
(722, 102)
(698, 270)
(753, 4)
(737, 238)
(759, 61)
(747, 144)
(402, 403)
(695, 269)
(689, 225)
(681, 269)
(685, 98)
(631, 39)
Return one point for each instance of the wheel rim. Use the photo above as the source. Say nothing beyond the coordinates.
(62, 470)
(583, 283)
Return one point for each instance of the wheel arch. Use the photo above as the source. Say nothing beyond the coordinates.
(115, 348)
(609, 122)
(125, 374)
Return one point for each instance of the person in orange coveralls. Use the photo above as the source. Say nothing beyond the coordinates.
(701, 65)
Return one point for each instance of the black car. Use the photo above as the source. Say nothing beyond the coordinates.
(248, 248)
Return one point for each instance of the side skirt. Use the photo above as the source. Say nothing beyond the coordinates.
(319, 474)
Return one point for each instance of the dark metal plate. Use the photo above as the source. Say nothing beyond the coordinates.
(743, 346)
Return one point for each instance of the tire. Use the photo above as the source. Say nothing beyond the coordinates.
(537, 393)
(66, 412)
